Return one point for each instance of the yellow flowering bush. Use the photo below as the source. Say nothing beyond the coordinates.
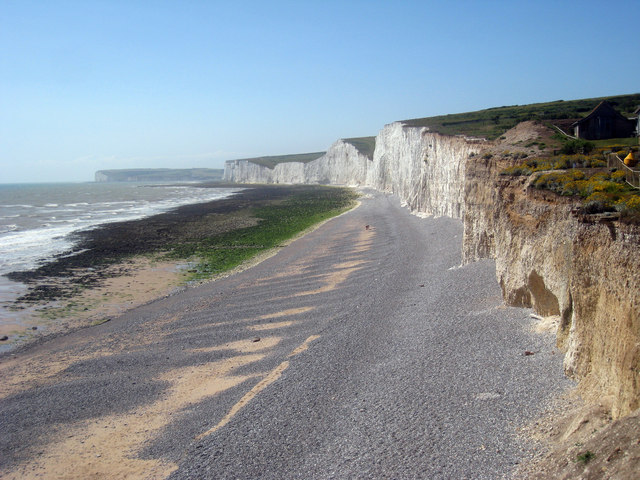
(618, 176)
(629, 208)
(574, 187)
(602, 191)
(633, 203)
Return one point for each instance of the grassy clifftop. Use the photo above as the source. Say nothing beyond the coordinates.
(490, 123)
(364, 145)
(493, 122)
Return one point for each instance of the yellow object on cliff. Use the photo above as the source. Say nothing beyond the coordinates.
(630, 160)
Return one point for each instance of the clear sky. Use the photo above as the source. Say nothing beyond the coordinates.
(89, 85)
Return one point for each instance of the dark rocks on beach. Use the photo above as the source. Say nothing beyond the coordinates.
(4, 338)
(101, 247)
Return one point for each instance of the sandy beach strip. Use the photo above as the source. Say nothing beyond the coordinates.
(129, 284)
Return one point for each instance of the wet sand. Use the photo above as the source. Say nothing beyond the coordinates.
(126, 285)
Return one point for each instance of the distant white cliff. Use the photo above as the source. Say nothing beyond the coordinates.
(424, 169)
(342, 164)
(160, 175)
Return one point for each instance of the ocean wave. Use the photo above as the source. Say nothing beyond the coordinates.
(21, 250)
(127, 202)
(8, 228)
(41, 233)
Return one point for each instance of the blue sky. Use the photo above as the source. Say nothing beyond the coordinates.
(89, 85)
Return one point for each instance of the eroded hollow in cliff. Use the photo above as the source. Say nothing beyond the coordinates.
(520, 297)
(565, 324)
(544, 301)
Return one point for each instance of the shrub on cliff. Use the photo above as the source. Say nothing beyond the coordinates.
(563, 163)
(618, 176)
(577, 146)
(574, 187)
(602, 191)
(562, 182)
(516, 171)
(559, 162)
(629, 203)
(528, 167)
(629, 209)
(598, 202)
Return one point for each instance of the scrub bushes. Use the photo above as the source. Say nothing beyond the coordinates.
(601, 191)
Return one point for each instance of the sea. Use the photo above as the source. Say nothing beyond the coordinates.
(38, 221)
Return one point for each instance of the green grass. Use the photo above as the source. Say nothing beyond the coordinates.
(365, 145)
(585, 457)
(615, 143)
(493, 122)
(278, 222)
(272, 161)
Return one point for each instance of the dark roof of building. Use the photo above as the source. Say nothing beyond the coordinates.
(565, 124)
(603, 105)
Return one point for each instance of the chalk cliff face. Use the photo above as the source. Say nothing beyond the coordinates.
(425, 170)
(575, 269)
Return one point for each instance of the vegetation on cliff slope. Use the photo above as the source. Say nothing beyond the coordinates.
(584, 176)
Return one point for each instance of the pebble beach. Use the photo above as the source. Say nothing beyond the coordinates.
(358, 351)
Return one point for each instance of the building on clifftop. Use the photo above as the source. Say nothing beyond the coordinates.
(604, 122)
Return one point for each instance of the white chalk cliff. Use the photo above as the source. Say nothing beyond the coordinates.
(424, 169)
